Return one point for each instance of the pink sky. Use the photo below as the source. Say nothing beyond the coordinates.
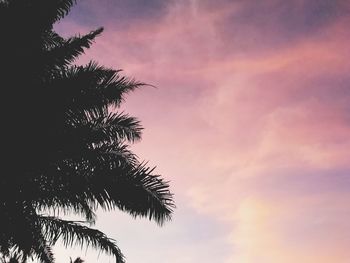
(250, 122)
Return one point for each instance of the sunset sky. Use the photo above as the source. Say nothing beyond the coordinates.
(250, 121)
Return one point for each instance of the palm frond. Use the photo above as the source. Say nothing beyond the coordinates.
(71, 48)
(52, 40)
(90, 87)
(58, 8)
(141, 193)
(134, 189)
(116, 126)
(65, 203)
(101, 128)
(42, 250)
(72, 232)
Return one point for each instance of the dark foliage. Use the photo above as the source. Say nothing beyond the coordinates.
(64, 144)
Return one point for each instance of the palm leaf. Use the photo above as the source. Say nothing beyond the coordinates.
(72, 232)
(71, 48)
(90, 87)
(130, 188)
(101, 128)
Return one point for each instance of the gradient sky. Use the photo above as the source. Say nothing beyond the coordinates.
(250, 122)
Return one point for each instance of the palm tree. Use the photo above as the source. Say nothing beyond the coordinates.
(65, 144)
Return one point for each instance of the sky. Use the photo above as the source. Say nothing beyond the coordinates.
(250, 121)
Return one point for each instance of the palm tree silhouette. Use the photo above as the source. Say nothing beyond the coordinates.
(66, 146)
